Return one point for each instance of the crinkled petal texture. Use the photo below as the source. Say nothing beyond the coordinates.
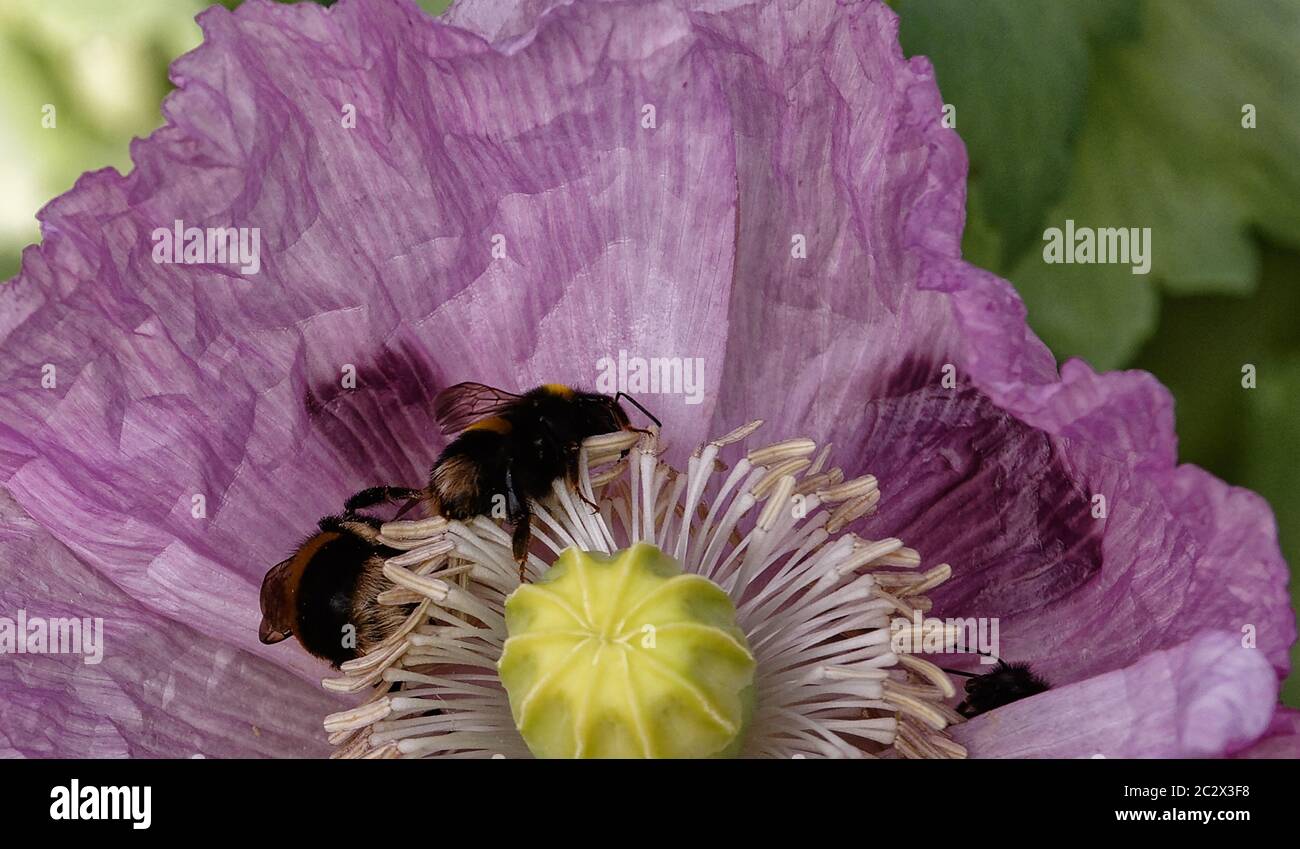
(1280, 741)
(147, 686)
(510, 196)
(1202, 698)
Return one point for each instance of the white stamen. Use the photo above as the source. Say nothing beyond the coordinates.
(815, 604)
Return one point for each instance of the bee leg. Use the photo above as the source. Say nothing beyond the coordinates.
(595, 508)
(643, 431)
(410, 502)
(519, 514)
(572, 478)
(381, 495)
(519, 540)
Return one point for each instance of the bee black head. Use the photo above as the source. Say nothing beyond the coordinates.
(599, 413)
(1007, 683)
(635, 403)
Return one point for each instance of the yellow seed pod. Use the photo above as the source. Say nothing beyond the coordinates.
(626, 656)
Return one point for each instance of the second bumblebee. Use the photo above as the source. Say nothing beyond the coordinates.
(509, 449)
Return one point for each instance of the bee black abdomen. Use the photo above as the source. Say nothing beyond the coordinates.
(1009, 682)
(375, 622)
(469, 473)
(327, 594)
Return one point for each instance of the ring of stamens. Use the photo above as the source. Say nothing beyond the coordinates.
(815, 603)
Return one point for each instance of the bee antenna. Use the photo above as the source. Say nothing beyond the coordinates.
(637, 404)
(959, 672)
(972, 674)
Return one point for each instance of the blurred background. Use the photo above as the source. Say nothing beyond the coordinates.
(1113, 113)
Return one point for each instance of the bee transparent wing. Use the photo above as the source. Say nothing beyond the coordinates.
(277, 618)
(457, 407)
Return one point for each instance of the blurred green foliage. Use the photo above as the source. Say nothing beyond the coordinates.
(1113, 113)
(1249, 437)
(1163, 146)
(102, 65)
(103, 68)
(1027, 95)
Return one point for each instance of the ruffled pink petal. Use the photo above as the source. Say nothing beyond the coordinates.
(1280, 741)
(1206, 697)
(158, 689)
(200, 424)
(849, 186)
(499, 22)
(179, 383)
(1079, 586)
(838, 140)
(847, 181)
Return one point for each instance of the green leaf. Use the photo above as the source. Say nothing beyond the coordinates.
(1016, 73)
(1098, 312)
(99, 68)
(1248, 437)
(981, 243)
(1108, 21)
(1163, 147)
(1271, 449)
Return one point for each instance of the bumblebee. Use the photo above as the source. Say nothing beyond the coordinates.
(1004, 684)
(325, 594)
(508, 450)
